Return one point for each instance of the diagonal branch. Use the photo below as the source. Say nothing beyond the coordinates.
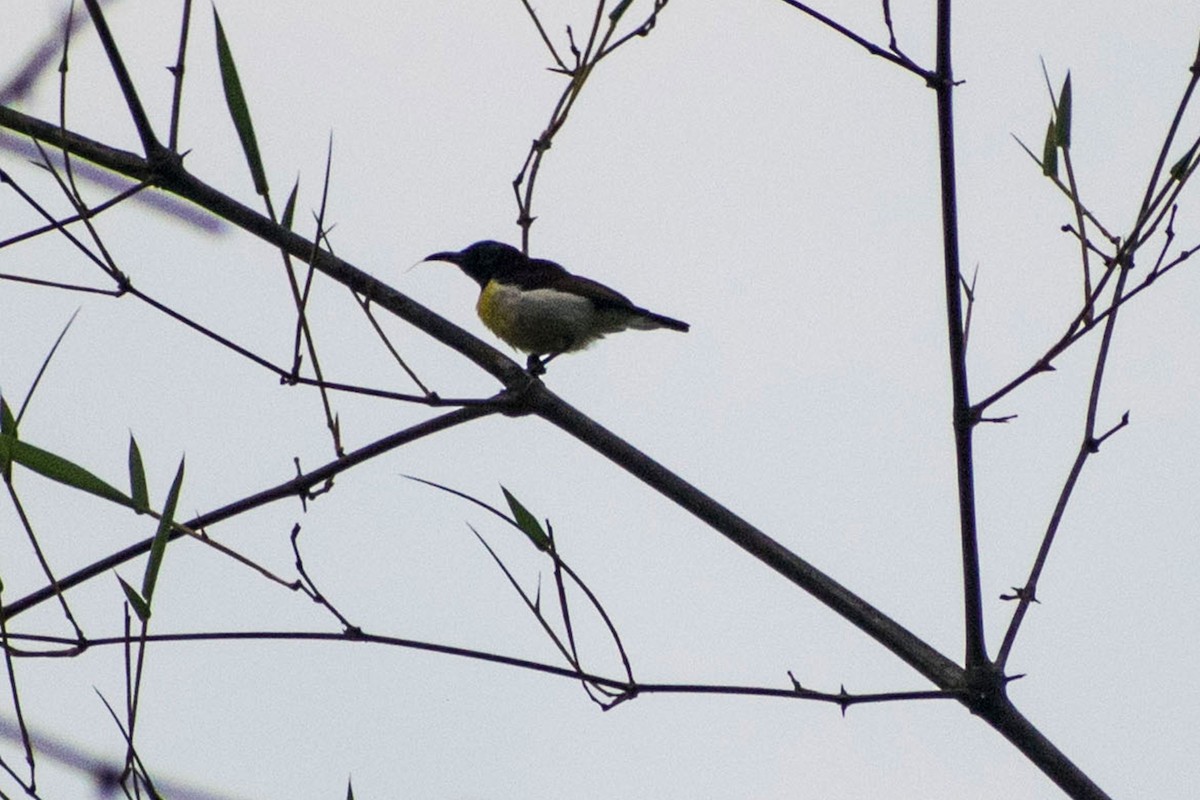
(894, 56)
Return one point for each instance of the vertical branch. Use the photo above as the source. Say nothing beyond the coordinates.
(177, 72)
(963, 419)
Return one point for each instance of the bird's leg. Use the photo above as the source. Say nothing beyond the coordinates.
(536, 365)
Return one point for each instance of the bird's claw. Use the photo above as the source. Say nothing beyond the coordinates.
(535, 365)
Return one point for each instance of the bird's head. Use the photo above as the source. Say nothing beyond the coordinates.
(483, 260)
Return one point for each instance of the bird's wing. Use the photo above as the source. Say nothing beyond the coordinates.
(553, 276)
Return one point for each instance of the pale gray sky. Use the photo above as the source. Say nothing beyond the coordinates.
(741, 168)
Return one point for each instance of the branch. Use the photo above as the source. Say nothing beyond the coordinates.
(299, 485)
(893, 55)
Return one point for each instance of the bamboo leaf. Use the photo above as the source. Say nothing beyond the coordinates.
(1050, 153)
(158, 548)
(619, 11)
(239, 110)
(140, 606)
(8, 423)
(1062, 115)
(289, 208)
(1181, 167)
(57, 468)
(137, 478)
(527, 522)
(8, 430)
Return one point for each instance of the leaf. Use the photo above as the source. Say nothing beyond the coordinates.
(159, 547)
(289, 208)
(235, 99)
(1180, 169)
(8, 429)
(1062, 116)
(46, 364)
(137, 478)
(527, 522)
(140, 606)
(1050, 153)
(57, 468)
(615, 15)
(8, 423)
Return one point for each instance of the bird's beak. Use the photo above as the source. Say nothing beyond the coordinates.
(451, 257)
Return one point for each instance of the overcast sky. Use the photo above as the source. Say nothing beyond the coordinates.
(741, 168)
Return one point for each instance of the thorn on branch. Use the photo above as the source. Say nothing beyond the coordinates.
(1022, 593)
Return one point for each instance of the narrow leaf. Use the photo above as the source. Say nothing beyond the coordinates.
(615, 15)
(1181, 167)
(57, 468)
(289, 208)
(137, 478)
(8, 423)
(140, 606)
(45, 364)
(527, 522)
(8, 430)
(1050, 153)
(159, 547)
(239, 110)
(1062, 116)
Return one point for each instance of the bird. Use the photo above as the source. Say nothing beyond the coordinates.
(539, 308)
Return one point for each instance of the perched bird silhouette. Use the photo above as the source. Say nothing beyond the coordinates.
(541, 309)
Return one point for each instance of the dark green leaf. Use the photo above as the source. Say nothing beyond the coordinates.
(239, 110)
(349, 790)
(137, 478)
(289, 208)
(8, 429)
(1181, 167)
(140, 606)
(159, 547)
(527, 522)
(8, 423)
(1062, 116)
(615, 15)
(57, 468)
(1050, 153)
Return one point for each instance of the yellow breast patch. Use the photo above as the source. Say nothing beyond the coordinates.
(540, 321)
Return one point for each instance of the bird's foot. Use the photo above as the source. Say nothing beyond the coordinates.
(536, 365)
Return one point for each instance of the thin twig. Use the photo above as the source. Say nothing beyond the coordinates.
(291, 488)
(894, 56)
(619, 686)
(1090, 445)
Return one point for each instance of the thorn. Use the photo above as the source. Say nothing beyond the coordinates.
(1021, 593)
